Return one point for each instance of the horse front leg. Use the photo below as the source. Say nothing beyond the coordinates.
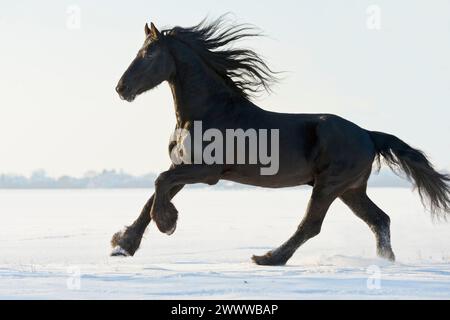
(127, 241)
(163, 212)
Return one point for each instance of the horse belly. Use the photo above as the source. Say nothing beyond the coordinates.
(283, 179)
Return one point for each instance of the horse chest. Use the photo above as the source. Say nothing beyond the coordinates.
(180, 147)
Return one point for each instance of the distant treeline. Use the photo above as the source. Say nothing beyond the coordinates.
(111, 179)
(104, 179)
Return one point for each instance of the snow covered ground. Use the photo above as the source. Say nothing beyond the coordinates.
(55, 244)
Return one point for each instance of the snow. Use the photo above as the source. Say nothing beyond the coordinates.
(55, 244)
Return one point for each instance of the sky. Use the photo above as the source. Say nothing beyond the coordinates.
(60, 62)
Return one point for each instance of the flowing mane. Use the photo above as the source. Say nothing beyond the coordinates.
(243, 70)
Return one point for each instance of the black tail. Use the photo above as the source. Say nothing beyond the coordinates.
(433, 186)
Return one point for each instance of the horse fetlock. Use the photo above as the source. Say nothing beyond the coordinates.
(386, 253)
(384, 249)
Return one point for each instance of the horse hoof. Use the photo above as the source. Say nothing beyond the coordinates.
(171, 231)
(259, 260)
(268, 260)
(165, 217)
(119, 252)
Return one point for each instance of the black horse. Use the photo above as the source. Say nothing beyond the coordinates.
(212, 82)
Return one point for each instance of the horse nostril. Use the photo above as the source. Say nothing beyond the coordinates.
(121, 88)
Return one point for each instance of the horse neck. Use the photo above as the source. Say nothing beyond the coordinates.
(194, 86)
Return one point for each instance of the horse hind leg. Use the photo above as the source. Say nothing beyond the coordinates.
(378, 221)
(310, 227)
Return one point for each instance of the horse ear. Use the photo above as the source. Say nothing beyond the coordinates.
(147, 30)
(154, 32)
